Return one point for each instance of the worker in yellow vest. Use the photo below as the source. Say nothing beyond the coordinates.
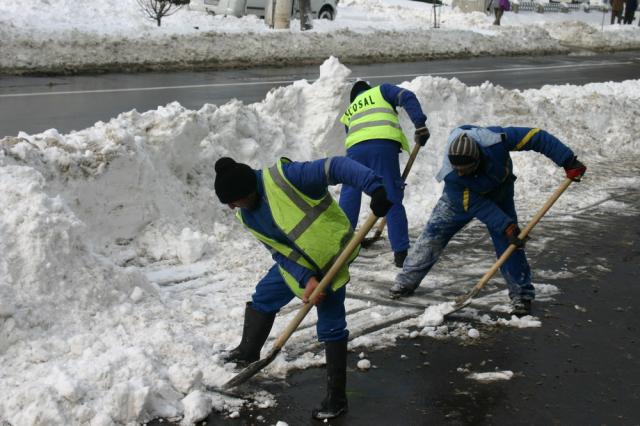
(375, 139)
(289, 209)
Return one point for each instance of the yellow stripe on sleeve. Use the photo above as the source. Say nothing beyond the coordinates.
(465, 199)
(527, 138)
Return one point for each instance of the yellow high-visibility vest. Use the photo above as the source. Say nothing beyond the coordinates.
(370, 116)
(317, 228)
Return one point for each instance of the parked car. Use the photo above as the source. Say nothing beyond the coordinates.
(320, 9)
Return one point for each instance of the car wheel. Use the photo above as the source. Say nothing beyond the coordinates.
(326, 13)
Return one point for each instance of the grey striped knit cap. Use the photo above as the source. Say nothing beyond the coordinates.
(463, 151)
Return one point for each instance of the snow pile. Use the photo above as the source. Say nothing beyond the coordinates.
(47, 263)
(71, 41)
(85, 337)
(150, 176)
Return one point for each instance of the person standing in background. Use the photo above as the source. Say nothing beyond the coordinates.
(499, 7)
(616, 10)
(630, 7)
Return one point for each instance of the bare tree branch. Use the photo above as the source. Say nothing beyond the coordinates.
(157, 9)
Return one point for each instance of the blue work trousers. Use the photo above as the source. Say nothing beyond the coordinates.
(383, 158)
(272, 294)
(444, 223)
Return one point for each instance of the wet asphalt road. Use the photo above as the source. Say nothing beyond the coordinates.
(582, 367)
(34, 104)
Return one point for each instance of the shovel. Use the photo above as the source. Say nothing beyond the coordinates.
(367, 242)
(465, 300)
(253, 368)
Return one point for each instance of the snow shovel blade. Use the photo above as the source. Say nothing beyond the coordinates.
(465, 299)
(222, 392)
(368, 242)
(251, 370)
(460, 304)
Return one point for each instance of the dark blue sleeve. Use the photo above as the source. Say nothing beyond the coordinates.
(300, 273)
(313, 177)
(479, 206)
(538, 140)
(349, 172)
(399, 97)
(488, 212)
(308, 176)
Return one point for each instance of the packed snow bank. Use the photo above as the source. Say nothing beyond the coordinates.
(85, 337)
(71, 41)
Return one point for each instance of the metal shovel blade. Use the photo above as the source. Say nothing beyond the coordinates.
(251, 370)
(369, 241)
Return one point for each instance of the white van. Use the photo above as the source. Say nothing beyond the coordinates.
(320, 9)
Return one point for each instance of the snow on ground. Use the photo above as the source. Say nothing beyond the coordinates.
(90, 35)
(122, 278)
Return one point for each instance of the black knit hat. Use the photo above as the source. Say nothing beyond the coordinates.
(233, 180)
(358, 87)
(463, 152)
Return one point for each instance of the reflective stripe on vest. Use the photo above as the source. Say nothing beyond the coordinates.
(318, 230)
(370, 116)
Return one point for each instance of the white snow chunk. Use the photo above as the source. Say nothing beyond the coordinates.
(473, 333)
(191, 247)
(281, 423)
(523, 322)
(184, 379)
(137, 294)
(413, 334)
(362, 355)
(197, 406)
(364, 364)
(68, 387)
(491, 376)
(434, 315)
(234, 415)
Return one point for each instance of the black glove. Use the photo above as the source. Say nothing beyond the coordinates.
(421, 136)
(380, 205)
(512, 233)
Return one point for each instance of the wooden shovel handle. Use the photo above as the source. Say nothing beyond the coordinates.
(326, 280)
(532, 223)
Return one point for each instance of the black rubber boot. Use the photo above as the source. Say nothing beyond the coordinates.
(520, 307)
(335, 403)
(398, 290)
(254, 333)
(399, 257)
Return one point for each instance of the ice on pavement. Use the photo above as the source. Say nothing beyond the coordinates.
(103, 318)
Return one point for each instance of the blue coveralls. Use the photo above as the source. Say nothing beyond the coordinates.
(311, 178)
(486, 195)
(382, 156)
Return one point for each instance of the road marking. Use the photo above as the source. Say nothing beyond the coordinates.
(272, 82)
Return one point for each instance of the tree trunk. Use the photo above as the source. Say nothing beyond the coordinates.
(282, 18)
